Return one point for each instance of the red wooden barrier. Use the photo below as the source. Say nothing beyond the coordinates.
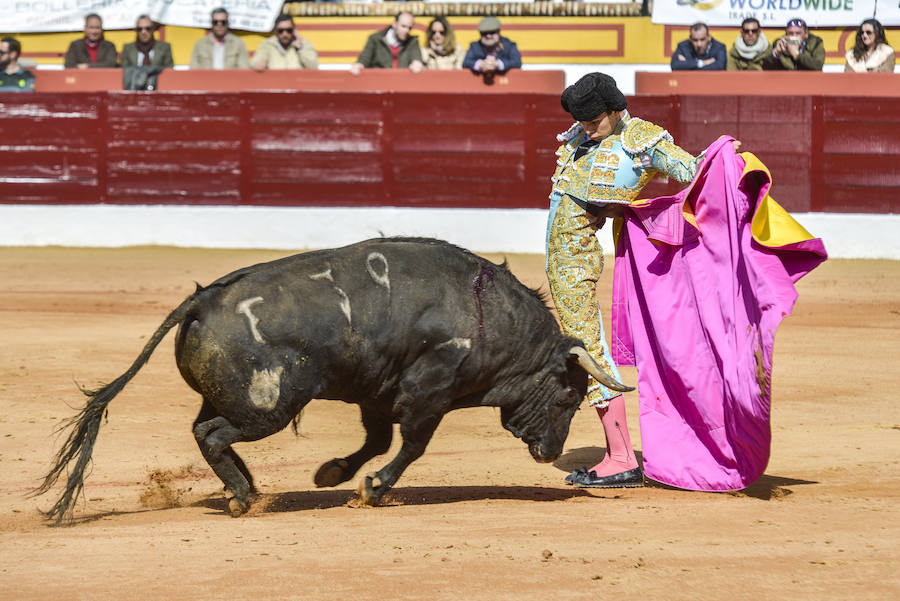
(766, 83)
(409, 149)
(245, 80)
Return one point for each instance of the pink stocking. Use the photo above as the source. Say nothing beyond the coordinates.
(619, 454)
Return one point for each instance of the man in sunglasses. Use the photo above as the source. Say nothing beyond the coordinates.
(13, 77)
(220, 49)
(92, 51)
(797, 50)
(700, 52)
(493, 53)
(146, 50)
(750, 48)
(286, 49)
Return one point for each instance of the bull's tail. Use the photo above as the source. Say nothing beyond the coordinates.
(84, 426)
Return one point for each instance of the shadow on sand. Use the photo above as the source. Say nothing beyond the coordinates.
(767, 488)
(403, 495)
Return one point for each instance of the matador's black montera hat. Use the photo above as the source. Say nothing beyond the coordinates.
(591, 96)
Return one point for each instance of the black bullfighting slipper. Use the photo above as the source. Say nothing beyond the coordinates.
(579, 473)
(628, 479)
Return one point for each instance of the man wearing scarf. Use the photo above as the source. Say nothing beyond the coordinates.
(92, 51)
(750, 48)
(146, 50)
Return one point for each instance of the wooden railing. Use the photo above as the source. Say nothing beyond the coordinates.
(409, 148)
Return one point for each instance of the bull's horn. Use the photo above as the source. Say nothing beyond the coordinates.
(588, 364)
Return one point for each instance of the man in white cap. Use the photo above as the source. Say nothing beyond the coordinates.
(493, 53)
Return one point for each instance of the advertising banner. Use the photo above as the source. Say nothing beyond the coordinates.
(770, 13)
(27, 16)
(888, 12)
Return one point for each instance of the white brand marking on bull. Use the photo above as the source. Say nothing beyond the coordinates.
(265, 387)
(345, 300)
(244, 307)
(381, 279)
(465, 343)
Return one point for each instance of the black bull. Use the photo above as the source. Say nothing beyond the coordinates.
(408, 329)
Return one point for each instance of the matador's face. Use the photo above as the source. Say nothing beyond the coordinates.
(600, 127)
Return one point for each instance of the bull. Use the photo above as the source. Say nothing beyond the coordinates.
(408, 329)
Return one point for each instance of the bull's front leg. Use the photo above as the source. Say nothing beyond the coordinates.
(379, 432)
(424, 396)
(416, 435)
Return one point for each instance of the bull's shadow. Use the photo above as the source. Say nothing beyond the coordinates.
(289, 502)
(573, 459)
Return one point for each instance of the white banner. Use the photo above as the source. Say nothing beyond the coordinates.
(770, 13)
(888, 13)
(25, 16)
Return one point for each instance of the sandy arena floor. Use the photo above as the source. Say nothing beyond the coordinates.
(475, 518)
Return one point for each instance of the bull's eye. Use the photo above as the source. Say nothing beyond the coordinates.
(570, 398)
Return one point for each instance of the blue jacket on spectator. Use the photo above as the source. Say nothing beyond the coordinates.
(714, 50)
(507, 52)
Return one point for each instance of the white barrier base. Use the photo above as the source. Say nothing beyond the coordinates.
(858, 236)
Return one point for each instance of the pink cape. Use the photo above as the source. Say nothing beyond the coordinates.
(695, 308)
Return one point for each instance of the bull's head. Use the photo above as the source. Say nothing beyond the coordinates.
(542, 416)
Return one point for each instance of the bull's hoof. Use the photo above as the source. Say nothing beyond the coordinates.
(332, 473)
(370, 489)
(237, 507)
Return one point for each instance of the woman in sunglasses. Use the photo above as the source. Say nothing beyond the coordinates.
(871, 51)
(441, 50)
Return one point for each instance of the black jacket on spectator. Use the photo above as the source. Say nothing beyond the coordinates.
(714, 50)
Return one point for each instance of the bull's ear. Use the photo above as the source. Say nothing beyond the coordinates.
(587, 363)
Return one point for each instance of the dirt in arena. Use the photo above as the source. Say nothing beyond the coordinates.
(475, 518)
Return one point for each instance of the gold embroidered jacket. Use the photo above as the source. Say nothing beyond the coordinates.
(616, 169)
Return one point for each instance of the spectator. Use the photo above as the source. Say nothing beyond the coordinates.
(391, 48)
(441, 49)
(797, 50)
(220, 49)
(286, 49)
(146, 50)
(700, 52)
(871, 52)
(493, 53)
(92, 51)
(750, 48)
(13, 77)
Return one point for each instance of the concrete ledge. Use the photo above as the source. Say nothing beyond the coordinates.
(847, 236)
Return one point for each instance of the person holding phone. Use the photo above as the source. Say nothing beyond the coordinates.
(796, 50)
(286, 49)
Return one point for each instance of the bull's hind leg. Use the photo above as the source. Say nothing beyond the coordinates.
(379, 432)
(215, 437)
